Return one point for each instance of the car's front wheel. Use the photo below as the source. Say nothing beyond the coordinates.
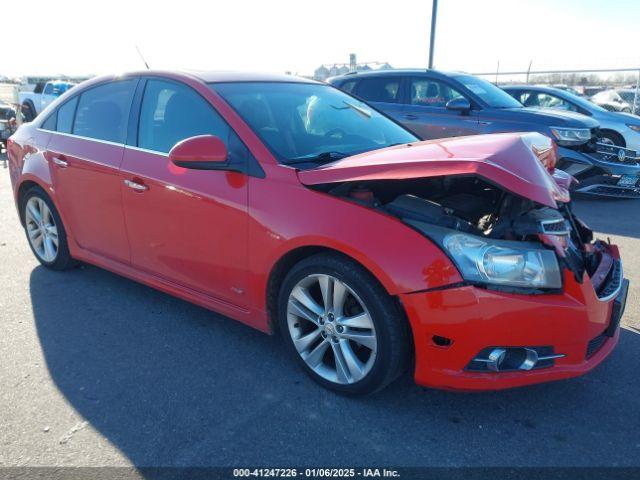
(45, 232)
(342, 326)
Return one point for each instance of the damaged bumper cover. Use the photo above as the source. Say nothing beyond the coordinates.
(567, 334)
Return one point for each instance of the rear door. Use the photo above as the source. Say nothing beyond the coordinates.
(426, 113)
(185, 226)
(85, 152)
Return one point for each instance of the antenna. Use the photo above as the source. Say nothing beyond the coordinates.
(143, 60)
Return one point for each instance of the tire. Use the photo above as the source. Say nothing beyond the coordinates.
(614, 137)
(381, 349)
(28, 112)
(43, 235)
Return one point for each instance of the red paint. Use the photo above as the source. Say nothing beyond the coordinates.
(203, 148)
(496, 158)
(213, 237)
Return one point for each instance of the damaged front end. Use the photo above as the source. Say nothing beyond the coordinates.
(499, 237)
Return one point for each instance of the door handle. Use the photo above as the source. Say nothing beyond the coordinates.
(411, 116)
(138, 187)
(61, 162)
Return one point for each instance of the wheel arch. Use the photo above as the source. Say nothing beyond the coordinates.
(616, 134)
(22, 189)
(284, 264)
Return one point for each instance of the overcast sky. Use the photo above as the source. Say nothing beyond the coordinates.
(88, 37)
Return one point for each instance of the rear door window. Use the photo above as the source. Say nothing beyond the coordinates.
(348, 86)
(379, 89)
(103, 111)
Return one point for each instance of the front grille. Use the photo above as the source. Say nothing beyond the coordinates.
(613, 282)
(610, 191)
(595, 344)
(616, 154)
(555, 227)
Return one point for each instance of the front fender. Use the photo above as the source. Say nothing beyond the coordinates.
(285, 218)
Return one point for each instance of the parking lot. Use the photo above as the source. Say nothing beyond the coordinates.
(99, 370)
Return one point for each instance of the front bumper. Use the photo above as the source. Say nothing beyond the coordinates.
(600, 173)
(576, 323)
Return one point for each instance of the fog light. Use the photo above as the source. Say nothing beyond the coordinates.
(508, 359)
(496, 358)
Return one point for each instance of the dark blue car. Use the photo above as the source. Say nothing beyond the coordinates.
(436, 104)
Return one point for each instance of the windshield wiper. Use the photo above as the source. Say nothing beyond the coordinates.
(362, 111)
(324, 157)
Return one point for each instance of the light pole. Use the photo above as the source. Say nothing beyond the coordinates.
(434, 14)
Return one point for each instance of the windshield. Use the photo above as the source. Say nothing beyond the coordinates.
(300, 121)
(493, 96)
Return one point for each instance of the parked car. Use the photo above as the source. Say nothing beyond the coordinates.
(573, 90)
(612, 101)
(288, 204)
(616, 128)
(7, 122)
(437, 104)
(629, 96)
(43, 94)
(618, 151)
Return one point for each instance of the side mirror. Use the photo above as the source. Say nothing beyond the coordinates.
(459, 104)
(204, 152)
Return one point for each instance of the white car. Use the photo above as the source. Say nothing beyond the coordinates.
(616, 128)
(32, 103)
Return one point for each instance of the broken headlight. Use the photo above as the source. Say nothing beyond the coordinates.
(501, 262)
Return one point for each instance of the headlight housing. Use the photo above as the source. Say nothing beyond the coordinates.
(635, 128)
(571, 136)
(503, 263)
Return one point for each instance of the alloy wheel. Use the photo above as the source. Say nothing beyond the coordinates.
(41, 229)
(331, 329)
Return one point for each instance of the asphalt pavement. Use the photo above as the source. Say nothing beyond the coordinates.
(97, 370)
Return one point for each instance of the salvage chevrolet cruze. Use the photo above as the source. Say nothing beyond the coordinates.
(290, 205)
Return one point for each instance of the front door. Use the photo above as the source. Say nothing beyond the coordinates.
(86, 151)
(185, 226)
(426, 113)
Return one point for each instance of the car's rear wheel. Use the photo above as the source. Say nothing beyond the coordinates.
(45, 232)
(342, 326)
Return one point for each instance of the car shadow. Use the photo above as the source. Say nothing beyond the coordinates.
(609, 215)
(172, 384)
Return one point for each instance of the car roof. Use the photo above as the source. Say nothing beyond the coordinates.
(537, 88)
(211, 76)
(219, 77)
(398, 72)
(204, 76)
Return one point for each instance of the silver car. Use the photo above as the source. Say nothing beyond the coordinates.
(621, 129)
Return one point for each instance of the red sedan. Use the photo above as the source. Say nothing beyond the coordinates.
(292, 206)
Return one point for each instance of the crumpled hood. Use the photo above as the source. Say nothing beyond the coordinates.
(505, 159)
